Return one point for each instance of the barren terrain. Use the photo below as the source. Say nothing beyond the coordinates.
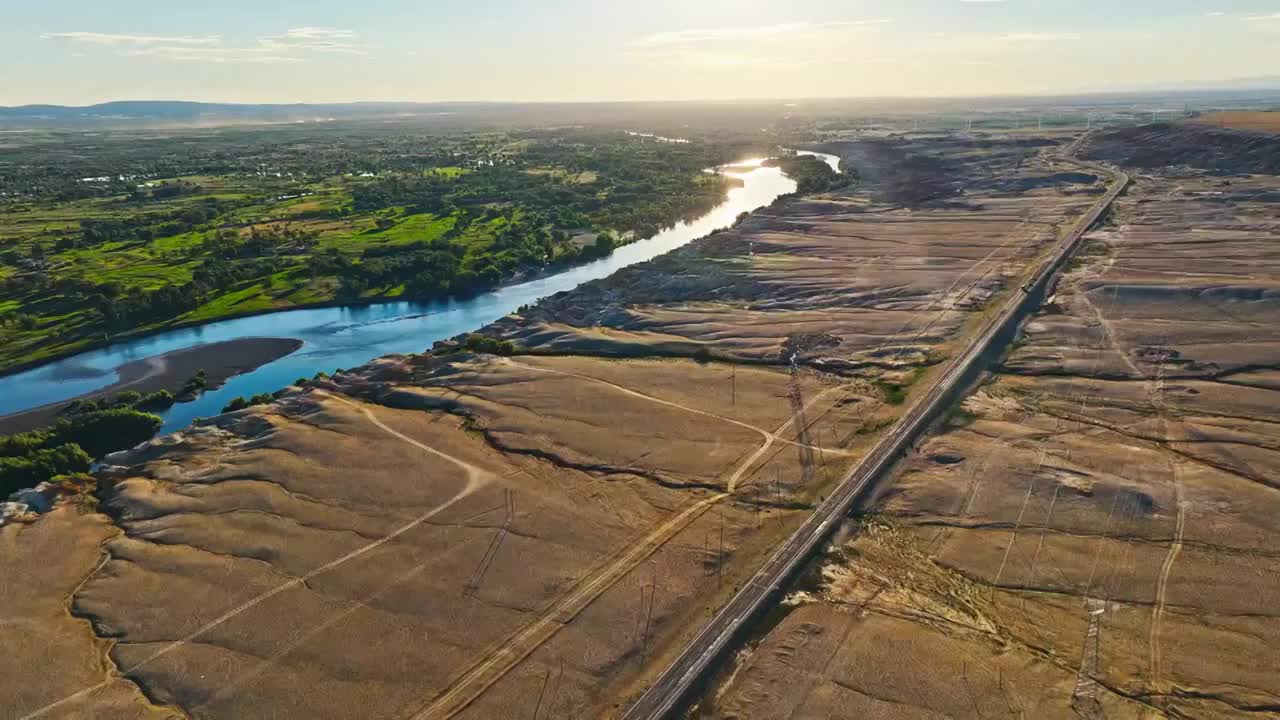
(1253, 121)
(454, 534)
(1094, 535)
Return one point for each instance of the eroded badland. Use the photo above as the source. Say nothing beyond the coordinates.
(470, 535)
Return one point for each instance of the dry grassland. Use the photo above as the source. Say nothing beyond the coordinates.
(1096, 536)
(475, 536)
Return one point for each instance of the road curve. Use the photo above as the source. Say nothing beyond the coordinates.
(676, 682)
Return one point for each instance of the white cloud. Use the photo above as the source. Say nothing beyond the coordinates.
(220, 55)
(315, 39)
(748, 32)
(292, 46)
(97, 38)
(1033, 37)
(1269, 17)
(791, 44)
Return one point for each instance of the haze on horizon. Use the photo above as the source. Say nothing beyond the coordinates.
(78, 52)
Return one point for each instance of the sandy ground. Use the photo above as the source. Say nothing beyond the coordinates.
(169, 371)
(49, 654)
(1096, 537)
(474, 536)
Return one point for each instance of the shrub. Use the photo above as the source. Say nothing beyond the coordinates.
(158, 400)
(241, 403)
(235, 405)
(195, 385)
(893, 394)
(128, 398)
(485, 344)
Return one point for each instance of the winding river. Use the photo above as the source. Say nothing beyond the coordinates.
(348, 336)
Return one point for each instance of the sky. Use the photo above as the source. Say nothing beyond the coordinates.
(77, 52)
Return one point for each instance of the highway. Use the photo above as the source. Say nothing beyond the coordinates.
(673, 686)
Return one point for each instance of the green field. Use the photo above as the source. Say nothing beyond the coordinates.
(109, 237)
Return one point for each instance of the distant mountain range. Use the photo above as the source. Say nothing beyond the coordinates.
(162, 111)
(1250, 92)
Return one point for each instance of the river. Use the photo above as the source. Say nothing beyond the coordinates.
(348, 336)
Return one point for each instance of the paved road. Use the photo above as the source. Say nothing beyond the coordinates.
(675, 683)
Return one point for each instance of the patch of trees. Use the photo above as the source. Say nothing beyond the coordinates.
(31, 469)
(148, 306)
(261, 241)
(19, 321)
(164, 191)
(194, 385)
(812, 174)
(427, 194)
(145, 228)
(241, 403)
(70, 444)
(478, 343)
(129, 399)
(444, 267)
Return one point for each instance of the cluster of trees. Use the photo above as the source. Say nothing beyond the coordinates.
(478, 343)
(261, 241)
(146, 306)
(421, 194)
(164, 191)
(70, 444)
(145, 228)
(18, 320)
(812, 174)
(194, 385)
(129, 399)
(629, 184)
(241, 403)
(448, 265)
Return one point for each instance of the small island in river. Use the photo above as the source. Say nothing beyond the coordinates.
(220, 361)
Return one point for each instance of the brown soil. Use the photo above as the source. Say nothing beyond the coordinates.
(49, 654)
(1252, 121)
(1095, 536)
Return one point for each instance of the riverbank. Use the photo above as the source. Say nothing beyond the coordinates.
(72, 350)
(87, 345)
(169, 371)
(343, 334)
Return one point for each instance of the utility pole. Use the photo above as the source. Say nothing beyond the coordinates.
(720, 555)
(733, 386)
(777, 489)
(542, 692)
(649, 616)
(639, 611)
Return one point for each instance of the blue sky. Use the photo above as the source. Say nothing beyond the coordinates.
(85, 51)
